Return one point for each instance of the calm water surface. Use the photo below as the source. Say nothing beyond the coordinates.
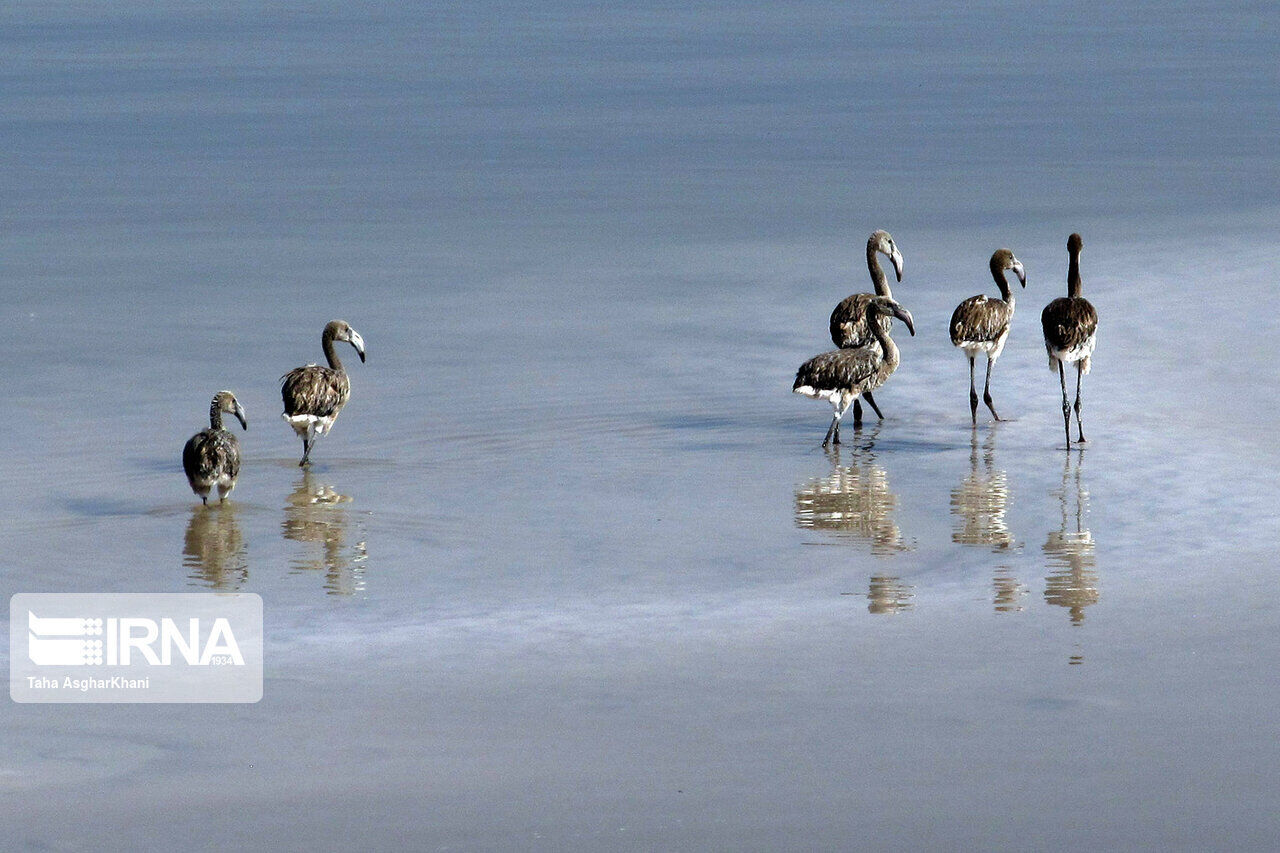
(572, 571)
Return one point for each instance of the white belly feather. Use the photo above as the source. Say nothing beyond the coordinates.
(991, 348)
(309, 424)
(1080, 354)
(838, 398)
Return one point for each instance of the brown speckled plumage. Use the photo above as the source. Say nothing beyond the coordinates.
(315, 390)
(1068, 323)
(314, 395)
(211, 457)
(848, 323)
(840, 376)
(981, 324)
(863, 369)
(1070, 326)
(980, 319)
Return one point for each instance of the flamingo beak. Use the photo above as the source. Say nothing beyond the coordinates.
(240, 416)
(905, 316)
(896, 258)
(358, 343)
(1019, 272)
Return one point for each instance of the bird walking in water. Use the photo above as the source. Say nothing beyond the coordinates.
(1070, 333)
(849, 327)
(842, 375)
(314, 395)
(211, 457)
(980, 324)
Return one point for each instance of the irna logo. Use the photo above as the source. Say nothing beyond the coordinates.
(135, 647)
(123, 641)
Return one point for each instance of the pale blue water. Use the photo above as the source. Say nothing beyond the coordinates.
(572, 572)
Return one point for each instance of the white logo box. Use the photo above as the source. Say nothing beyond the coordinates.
(135, 647)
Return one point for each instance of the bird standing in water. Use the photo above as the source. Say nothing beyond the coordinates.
(1070, 333)
(840, 376)
(849, 327)
(211, 457)
(314, 395)
(980, 324)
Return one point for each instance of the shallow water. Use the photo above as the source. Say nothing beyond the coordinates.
(572, 570)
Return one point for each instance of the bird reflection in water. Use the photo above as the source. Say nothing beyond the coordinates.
(854, 501)
(978, 506)
(981, 500)
(1072, 582)
(887, 594)
(316, 514)
(1007, 591)
(213, 549)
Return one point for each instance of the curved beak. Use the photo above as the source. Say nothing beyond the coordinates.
(905, 316)
(358, 343)
(896, 258)
(240, 416)
(1019, 272)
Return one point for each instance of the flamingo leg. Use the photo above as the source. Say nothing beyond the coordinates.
(871, 401)
(1066, 406)
(835, 422)
(1079, 426)
(973, 395)
(308, 442)
(986, 392)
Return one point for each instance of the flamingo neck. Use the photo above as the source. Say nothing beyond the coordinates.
(878, 278)
(329, 353)
(1006, 292)
(887, 346)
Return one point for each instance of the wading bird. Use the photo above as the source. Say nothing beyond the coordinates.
(849, 329)
(980, 324)
(314, 395)
(211, 457)
(1070, 333)
(842, 375)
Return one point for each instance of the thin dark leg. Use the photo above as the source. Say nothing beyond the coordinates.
(836, 440)
(857, 412)
(1066, 406)
(830, 429)
(1079, 376)
(973, 395)
(204, 499)
(306, 452)
(871, 401)
(986, 392)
